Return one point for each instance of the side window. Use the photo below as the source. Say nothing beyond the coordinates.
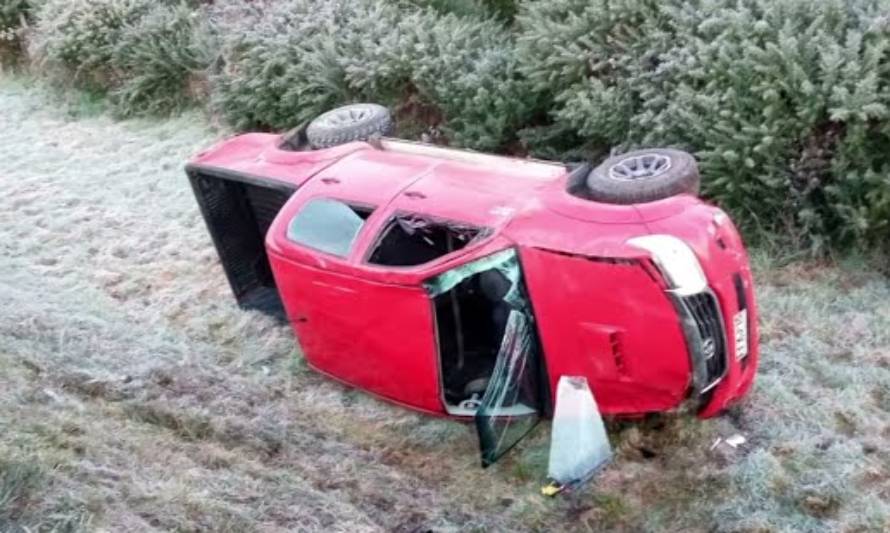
(328, 225)
(409, 240)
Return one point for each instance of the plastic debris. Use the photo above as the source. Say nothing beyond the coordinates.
(552, 488)
(579, 445)
(736, 440)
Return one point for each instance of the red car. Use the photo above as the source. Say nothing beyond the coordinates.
(467, 284)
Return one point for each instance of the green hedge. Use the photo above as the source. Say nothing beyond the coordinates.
(502, 9)
(287, 62)
(161, 61)
(144, 54)
(784, 102)
(79, 36)
(297, 58)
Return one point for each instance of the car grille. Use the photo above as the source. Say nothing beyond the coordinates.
(703, 312)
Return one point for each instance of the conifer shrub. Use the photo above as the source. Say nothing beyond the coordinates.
(784, 102)
(287, 62)
(502, 9)
(595, 62)
(78, 37)
(283, 61)
(11, 14)
(161, 61)
(14, 17)
(467, 69)
(149, 57)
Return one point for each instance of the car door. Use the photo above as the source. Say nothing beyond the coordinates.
(517, 391)
(373, 335)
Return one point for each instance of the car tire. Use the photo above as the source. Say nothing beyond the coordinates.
(643, 176)
(354, 122)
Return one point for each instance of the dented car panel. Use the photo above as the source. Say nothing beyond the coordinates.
(414, 296)
(725, 262)
(624, 344)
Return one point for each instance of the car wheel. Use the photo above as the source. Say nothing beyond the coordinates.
(643, 176)
(355, 122)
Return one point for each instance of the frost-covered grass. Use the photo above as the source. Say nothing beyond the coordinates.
(134, 394)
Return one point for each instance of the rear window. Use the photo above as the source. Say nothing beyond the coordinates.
(410, 240)
(328, 225)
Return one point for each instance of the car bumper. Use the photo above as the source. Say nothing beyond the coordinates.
(719, 319)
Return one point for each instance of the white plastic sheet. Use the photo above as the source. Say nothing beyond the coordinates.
(579, 445)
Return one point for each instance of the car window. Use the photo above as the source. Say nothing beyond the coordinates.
(511, 406)
(409, 240)
(328, 225)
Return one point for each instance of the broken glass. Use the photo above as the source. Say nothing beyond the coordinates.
(510, 407)
(504, 262)
(410, 240)
(489, 351)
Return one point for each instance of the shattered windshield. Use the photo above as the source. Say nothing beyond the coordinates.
(328, 225)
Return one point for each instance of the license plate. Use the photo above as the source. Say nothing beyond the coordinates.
(740, 325)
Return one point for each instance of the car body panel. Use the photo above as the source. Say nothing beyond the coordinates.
(717, 243)
(611, 323)
(259, 155)
(325, 296)
(392, 357)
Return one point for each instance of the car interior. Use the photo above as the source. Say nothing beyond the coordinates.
(410, 240)
(470, 321)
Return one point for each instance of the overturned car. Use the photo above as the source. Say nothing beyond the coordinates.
(465, 284)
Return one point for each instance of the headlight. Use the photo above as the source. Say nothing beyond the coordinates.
(677, 262)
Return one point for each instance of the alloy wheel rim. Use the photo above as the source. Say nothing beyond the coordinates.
(642, 166)
(347, 117)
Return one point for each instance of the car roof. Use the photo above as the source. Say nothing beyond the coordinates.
(485, 190)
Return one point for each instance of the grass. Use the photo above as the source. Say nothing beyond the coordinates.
(134, 394)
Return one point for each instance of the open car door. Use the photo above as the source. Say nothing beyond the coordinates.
(511, 406)
(517, 388)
